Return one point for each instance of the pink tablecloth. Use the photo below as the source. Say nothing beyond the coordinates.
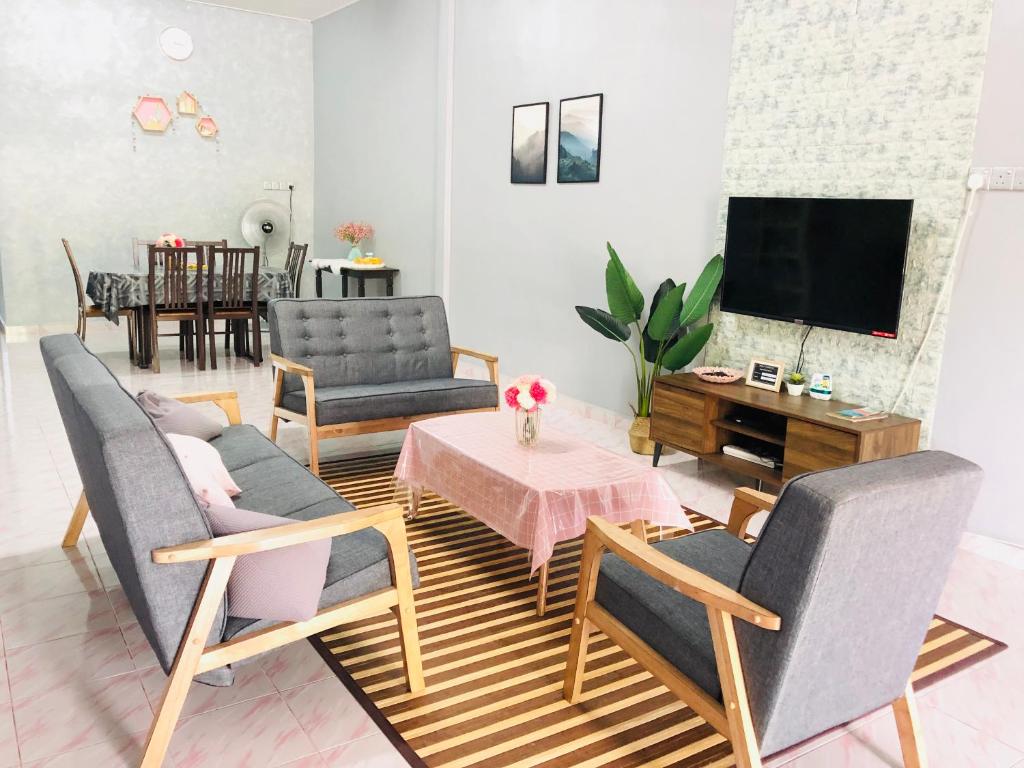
(535, 497)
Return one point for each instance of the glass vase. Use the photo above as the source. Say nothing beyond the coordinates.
(355, 252)
(528, 426)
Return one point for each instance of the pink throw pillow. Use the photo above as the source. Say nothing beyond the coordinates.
(204, 469)
(281, 584)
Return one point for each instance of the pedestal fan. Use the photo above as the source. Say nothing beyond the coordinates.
(267, 224)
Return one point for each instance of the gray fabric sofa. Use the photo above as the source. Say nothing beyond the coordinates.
(353, 366)
(159, 542)
(834, 600)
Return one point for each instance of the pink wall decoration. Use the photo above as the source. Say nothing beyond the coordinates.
(152, 114)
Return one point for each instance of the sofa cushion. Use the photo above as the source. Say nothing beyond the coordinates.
(282, 584)
(363, 402)
(362, 341)
(358, 565)
(206, 473)
(174, 416)
(673, 625)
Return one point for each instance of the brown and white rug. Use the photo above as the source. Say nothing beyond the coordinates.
(494, 668)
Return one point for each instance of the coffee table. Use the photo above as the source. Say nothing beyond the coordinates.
(535, 497)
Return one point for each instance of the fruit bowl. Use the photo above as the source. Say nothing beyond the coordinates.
(717, 375)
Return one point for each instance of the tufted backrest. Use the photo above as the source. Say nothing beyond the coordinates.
(362, 341)
(853, 560)
(137, 492)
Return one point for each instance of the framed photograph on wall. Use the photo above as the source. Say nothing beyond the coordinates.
(530, 143)
(579, 139)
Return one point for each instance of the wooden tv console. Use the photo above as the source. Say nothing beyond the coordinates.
(699, 417)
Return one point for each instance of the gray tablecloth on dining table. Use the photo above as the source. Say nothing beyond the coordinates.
(113, 291)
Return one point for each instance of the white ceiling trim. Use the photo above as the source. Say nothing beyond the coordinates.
(297, 10)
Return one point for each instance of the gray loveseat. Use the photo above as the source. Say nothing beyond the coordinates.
(173, 571)
(353, 366)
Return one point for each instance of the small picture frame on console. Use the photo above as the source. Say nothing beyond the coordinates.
(765, 374)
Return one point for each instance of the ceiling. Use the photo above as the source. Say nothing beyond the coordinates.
(292, 9)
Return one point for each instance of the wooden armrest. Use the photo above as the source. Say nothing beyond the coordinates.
(289, 367)
(758, 499)
(279, 536)
(473, 353)
(683, 579)
(227, 401)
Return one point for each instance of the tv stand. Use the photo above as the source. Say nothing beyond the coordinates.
(699, 417)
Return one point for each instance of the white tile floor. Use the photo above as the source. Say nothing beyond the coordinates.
(78, 681)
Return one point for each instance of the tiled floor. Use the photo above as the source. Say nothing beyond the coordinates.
(78, 682)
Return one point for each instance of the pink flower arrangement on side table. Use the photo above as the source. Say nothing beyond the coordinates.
(526, 396)
(354, 233)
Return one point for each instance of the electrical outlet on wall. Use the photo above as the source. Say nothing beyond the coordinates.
(1018, 179)
(266, 185)
(985, 173)
(1001, 179)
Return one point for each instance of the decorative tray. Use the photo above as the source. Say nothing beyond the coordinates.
(717, 375)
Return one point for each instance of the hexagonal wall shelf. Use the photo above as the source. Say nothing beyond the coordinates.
(152, 113)
(207, 127)
(188, 104)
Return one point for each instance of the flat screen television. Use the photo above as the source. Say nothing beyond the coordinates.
(828, 262)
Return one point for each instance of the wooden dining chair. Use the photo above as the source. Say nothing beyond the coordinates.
(293, 265)
(86, 310)
(235, 268)
(208, 244)
(173, 301)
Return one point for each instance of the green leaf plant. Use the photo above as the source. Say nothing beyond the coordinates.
(671, 338)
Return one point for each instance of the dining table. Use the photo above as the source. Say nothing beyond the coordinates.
(113, 290)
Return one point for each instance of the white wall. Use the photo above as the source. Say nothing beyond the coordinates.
(72, 71)
(377, 106)
(979, 415)
(524, 255)
(857, 99)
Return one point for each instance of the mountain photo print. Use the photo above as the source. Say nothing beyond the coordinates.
(579, 138)
(530, 143)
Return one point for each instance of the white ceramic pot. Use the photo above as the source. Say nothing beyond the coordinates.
(794, 389)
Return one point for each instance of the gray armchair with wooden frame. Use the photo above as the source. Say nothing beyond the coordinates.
(355, 366)
(818, 622)
(175, 573)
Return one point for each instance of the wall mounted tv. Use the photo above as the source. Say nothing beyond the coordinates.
(833, 263)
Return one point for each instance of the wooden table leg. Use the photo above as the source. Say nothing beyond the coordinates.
(657, 454)
(362, 286)
(415, 497)
(344, 285)
(542, 590)
(319, 283)
(639, 529)
(390, 285)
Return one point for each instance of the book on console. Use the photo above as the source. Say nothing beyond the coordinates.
(858, 414)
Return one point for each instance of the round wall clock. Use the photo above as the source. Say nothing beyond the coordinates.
(176, 43)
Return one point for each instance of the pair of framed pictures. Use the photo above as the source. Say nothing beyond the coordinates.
(579, 141)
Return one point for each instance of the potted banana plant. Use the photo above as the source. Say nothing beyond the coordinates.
(670, 339)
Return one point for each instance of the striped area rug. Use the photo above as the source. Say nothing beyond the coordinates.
(494, 668)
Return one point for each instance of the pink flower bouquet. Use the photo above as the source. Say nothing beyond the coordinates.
(354, 232)
(529, 392)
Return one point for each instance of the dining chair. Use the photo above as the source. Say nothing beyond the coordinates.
(236, 268)
(293, 265)
(86, 310)
(173, 301)
(207, 244)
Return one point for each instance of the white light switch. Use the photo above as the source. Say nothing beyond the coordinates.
(1018, 179)
(266, 185)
